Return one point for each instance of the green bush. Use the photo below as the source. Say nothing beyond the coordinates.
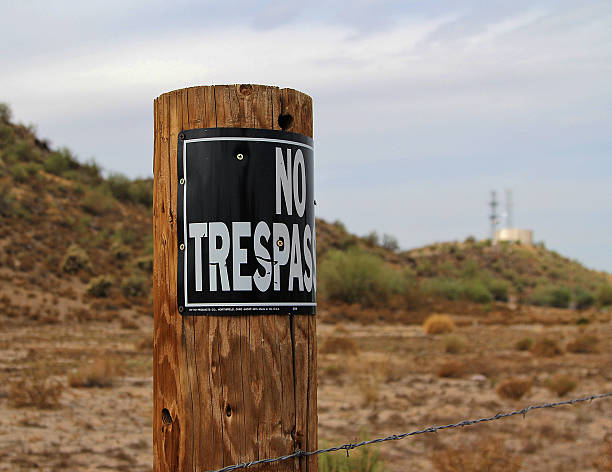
(558, 297)
(604, 295)
(75, 259)
(5, 113)
(100, 286)
(445, 288)
(96, 201)
(134, 286)
(7, 202)
(498, 289)
(355, 276)
(125, 190)
(451, 289)
(365, 459)
(470, 269)
(59, 162)
(584, 298)
(477, 292)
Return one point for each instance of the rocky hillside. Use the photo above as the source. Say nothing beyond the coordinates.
(77, 246)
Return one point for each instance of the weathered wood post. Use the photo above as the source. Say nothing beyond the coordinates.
(229, 386)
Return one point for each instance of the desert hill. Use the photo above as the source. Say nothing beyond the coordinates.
(69, 234)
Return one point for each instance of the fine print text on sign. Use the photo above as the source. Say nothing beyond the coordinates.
(246, 226)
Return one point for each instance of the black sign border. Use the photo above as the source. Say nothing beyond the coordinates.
(239, 308)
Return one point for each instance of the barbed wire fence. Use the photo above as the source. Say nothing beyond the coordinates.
(396, 437)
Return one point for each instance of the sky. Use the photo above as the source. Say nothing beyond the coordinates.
(421, 109)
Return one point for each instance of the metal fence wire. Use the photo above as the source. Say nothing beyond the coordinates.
(395, 437)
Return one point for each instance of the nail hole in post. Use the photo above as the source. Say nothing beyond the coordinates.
(228, 410)
(166, 416)
(285, 121)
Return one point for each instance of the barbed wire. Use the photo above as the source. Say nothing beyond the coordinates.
(395, 437)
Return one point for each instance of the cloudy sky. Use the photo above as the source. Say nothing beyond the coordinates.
(421, 108)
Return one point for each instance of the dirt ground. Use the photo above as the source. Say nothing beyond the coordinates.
(374, 380)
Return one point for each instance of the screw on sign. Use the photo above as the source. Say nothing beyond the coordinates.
(234, 235)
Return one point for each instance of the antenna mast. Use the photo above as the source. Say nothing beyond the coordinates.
(493, 217)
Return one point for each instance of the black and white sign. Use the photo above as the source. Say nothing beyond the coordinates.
(246, 225)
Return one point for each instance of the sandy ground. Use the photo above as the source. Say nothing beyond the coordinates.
(384, 380)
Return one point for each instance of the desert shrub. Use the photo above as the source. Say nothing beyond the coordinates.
(490, 455)
(100, 373)
(477, 292)
(514, 389)
(561, 384)
(7, 202)
(390, 242)
(365, 459)
(451, 369)
(438, 324)
(524, 344)
(470, 269)
(355, 276)
(96, 201)
(546, 347)
(145, 344)
(339, 345)
(134, 286)
(119, 186)
(583, 344)
(442, 287)
(100, 286)
(128, 322)
(120, 252)
(604, 295)
(372, 239)
(75, 259)
(558, 297)
(19, 171)
(145, 263)
(454, 344)
(36, 390)
(5, 113)
(59, 162)
(142, 192)
(498, 289)
(584, 298)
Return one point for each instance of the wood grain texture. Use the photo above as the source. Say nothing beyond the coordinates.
(236, 388)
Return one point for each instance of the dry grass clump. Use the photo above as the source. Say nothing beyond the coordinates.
(561, 384)
(339, 345)
(101, 373)
(546, 347)
(488, 456)
(604, 461)
(438, 324)
(514, 389)
(524, 344)
(454, 344)
(451, 369)
(145, 344)
(36, 390)
(583, 344)
(128, 322)
(75, 259)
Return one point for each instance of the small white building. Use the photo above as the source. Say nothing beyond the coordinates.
(523, 236)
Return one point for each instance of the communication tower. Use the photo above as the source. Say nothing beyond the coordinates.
(493, 218)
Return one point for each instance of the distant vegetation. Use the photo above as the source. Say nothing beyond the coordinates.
(97, 229)
(365, 271)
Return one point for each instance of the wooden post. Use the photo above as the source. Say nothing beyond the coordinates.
(227, 389)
